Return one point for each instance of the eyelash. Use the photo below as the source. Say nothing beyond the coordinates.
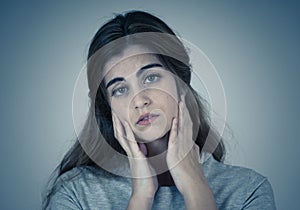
(157, 77)
(113, 93)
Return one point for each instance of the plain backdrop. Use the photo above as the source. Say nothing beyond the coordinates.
(254, 46)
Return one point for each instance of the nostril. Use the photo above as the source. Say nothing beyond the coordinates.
(141, 101)
(141, 105)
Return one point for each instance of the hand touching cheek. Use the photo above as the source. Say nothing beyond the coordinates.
(183, 159)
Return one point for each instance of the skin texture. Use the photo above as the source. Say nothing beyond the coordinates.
(171, 131)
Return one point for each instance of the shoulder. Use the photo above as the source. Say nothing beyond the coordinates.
(238, 186)
(217, 169)
(78, 180)
(86, 187)
(84, 176)
(83, 173)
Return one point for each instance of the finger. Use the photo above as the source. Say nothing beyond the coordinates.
(114, 125)
(174, 130)
(196, 147)
(129, 133)
(181, 115)
(132, 144)
(197, 151)
(119, 132)
(182, 97)
(185, 114)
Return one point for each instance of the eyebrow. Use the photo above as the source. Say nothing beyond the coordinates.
(117, 79)
(149, 66)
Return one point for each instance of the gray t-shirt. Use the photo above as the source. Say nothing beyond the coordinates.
(233, 188)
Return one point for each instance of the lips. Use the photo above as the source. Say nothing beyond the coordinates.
(146, 119)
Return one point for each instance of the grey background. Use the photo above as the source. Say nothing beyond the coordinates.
(254, 45)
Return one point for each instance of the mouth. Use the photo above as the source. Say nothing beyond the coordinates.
(146, 119)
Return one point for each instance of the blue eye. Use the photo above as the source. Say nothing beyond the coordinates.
(119, 91)
(151, 78)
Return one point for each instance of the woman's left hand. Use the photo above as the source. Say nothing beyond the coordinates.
(183, 161)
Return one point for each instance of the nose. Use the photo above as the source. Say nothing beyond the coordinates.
(141, 100)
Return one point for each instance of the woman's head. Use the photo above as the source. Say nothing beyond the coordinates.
(122, 47)
(125, 54)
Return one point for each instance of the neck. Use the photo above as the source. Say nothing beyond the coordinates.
(157, 147)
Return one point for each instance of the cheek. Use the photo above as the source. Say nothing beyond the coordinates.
(173, 107)
(170, 106)
(120, 109)
(170, 88)
(171, 97)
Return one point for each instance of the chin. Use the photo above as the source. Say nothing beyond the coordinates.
(151, 135)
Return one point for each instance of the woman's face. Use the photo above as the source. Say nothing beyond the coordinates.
(142, 92)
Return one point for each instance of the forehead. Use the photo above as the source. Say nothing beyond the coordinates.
(128, 62)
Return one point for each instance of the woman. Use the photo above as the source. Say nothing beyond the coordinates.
(142, 145)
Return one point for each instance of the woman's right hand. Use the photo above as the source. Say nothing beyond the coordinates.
(144, 180)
